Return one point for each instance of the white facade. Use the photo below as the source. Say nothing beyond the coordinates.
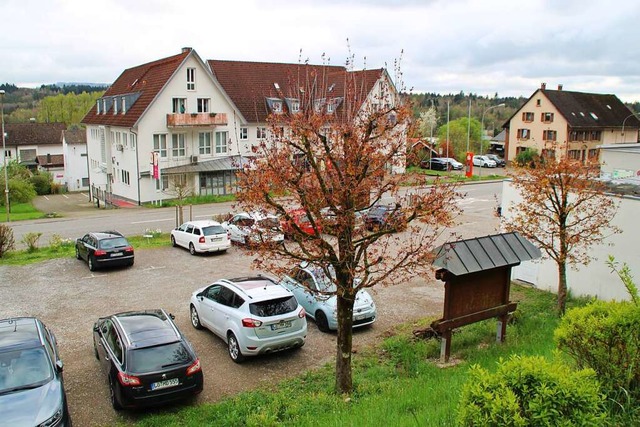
(75, 166)
(620, 161)
(594, 279)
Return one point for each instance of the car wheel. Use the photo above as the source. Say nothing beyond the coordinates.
(322, 322)
(130, 264)
(192, 249)
(78, 253)
(234, 348)
(92, 263)
(173, 242)
(195, 319)
(112, 396)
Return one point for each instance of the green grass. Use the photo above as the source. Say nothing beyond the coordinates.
(195, 200)
(448, 177)
(65, 248)
(20, 212)
(398, 382)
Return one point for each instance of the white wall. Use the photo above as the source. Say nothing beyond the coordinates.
(75, 166)
(594, 279)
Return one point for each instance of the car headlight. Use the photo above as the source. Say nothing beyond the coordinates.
(54, 420)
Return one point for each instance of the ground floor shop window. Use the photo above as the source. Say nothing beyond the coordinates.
(218, 183)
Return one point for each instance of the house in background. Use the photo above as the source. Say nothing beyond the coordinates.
(182, 122)
(76, 168)
(26, 141)
(563, 123)
(54, 165)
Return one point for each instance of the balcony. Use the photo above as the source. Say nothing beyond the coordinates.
(196, 119)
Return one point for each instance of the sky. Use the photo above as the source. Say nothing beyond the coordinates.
(508, 47)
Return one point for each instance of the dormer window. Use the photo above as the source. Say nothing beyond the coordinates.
(104, 106)
(191, 79)
(275, 105)
(98, 106)
(115, 105)
(331, 106)
(293, 104)
(124, 105)
(318, 105)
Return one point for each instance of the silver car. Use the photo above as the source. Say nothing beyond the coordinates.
(313, 289)
(254, 227)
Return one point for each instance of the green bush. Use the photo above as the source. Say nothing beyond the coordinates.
(527, 157)
(41, 183)
(7, 241)
(530, 391)
(605, 337)
(20, 191)
(31, 240)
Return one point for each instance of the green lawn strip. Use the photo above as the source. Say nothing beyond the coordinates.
(21, 212)
(194, 200)
(67, 249)
(398, 382)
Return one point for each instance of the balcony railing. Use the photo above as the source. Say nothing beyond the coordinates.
(196, 119)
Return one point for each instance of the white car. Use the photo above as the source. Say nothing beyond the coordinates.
(484, 162)
(201, 236)
(455, 165)
(254, 227)
(253, 315)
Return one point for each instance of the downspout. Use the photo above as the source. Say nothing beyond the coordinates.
(137, 165)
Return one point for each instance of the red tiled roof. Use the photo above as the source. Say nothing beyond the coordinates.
(75, 136)
(147, 79)
(53, 160)
(248, 84)
(33, 133)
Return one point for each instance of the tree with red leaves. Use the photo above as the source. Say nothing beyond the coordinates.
(335, 151)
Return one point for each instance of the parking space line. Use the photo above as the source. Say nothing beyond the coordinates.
(94, 276)
(152, 267)
(46, 197)
(65, 196)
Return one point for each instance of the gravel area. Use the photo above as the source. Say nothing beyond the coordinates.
(69, 298)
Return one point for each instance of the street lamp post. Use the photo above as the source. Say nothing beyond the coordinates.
(625, 120)
(482, 130)
(4, 158)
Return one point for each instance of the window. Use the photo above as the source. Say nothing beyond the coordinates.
(125, 139)
(549, 153)
(160, 144)
(115, 105)
(573, 135)
(295, 105)
(98, 106)
(596, 135)
(125, 177)
(203, 105)
(527, 117)
(178, 145)
(179, 105)
(104, 106)
(244, 133)
(538, 103)
(221, 142)
(133, 140)
(593, 153)
(549, 135)
(204, 144)
(162, 184)
(118, 138)
(191, 79)
(547, 117)
(276, 106)
(261, 133)
(124, 105)
(520, 150)
(523, 134)
(331, 106)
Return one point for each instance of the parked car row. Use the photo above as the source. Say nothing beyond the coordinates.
(441, 163)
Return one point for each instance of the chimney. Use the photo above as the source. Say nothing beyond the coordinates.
(186, 49)
(543, 86)
(560, 87)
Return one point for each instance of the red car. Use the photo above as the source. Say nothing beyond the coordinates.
(299, 216)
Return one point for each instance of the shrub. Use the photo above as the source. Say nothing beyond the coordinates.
(527, 391)
(604, 337)
(57, 241)
(31, 240)
(20, 191)
(527, 157)
(41, 183)
(7, 241)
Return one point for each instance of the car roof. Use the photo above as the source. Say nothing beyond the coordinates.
(257, 288)
(106, 234)
(147, 328)
(202, 223)
(20, 332)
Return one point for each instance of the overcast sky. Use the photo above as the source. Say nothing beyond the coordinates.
(444, 46)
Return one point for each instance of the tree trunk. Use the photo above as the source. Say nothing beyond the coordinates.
(562, 287)
(344, 382)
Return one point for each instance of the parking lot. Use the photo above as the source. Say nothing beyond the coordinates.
(69, 298)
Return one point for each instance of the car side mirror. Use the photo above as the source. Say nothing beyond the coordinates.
(59, 365)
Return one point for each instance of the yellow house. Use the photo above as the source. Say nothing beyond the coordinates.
(558, 123)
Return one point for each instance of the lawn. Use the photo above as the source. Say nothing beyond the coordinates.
(20, 212)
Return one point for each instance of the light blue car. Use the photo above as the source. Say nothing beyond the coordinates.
(311, 286)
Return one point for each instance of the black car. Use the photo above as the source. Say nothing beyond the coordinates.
(146, 358)
(384, 216)
(435, 163)
(105, 248)
(499, 160)
(31, 385)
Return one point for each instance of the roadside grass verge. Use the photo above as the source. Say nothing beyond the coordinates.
(193, 200)
(447, 177)
(21, 212)
(398, 382)
(66, 248)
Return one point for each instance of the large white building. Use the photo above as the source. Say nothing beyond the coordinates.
(181, 120)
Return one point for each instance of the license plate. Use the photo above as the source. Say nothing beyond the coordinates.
(216, 239)
(360, 316)
(164, 384)
(281, 325)
(115, 254)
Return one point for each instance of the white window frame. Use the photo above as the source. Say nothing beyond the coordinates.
(261, 132)
(177, 103)
(191, 79)
(203, 105)
(160, 144)
(178, 145)
(204, 142)
(124, 105)
(276, 106)
(222, 142)
(244, 133)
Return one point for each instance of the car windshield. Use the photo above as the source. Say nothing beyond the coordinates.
(115, 242)
(22, 369)
(269, 222)
(213, 230)
(157, 358)
(273, 307)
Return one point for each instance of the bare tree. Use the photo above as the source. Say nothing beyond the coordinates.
(335, 151)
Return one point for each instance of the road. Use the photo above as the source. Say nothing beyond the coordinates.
(481, 199)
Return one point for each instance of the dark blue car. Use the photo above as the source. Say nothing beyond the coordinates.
(31, 386)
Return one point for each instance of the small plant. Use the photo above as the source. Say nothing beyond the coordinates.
(153, 233)
(528, 391)
(31, 240)
(58, 242)
(7, 241)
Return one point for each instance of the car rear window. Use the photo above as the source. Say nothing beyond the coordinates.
(157, 358)
(273, 307)
(23, 369)
(116, 242)
(213, 230)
